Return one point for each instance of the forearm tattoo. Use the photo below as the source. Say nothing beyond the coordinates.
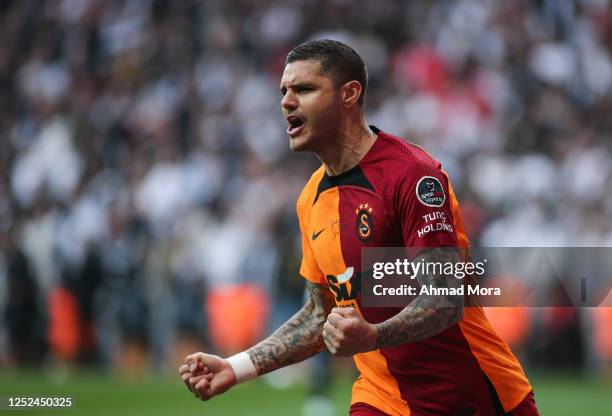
(298, 338)
(426, 315)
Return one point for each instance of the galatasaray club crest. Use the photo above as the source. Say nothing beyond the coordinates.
(364, 223)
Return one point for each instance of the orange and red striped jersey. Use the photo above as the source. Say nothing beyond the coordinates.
(387, 201)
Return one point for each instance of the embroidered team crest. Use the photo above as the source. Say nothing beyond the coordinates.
(364, 224)
(430, 192)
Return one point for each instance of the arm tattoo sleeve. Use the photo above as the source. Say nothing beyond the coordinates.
(426, 315)
(297, 339)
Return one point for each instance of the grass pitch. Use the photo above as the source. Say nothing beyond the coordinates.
(152, 395)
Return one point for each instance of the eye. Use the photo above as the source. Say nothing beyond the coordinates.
(303, 89)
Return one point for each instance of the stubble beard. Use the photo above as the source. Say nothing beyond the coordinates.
(324, 131)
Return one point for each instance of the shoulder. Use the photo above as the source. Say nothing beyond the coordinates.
(398, 161)
(304, 201)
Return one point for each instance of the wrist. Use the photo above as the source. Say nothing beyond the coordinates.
(243, 367)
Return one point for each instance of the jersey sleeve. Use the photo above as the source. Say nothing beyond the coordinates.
(309, 269)
(424, 208)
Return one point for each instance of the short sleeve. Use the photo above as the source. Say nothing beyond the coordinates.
(424, 208)
(309, 268)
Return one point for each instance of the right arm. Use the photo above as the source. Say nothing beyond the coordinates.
(297, 339)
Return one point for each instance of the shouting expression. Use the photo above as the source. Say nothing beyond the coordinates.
(310, 104)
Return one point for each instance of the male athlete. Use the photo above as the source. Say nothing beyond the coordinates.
(433, 357)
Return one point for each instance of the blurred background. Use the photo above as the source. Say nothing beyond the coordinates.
(147, 190)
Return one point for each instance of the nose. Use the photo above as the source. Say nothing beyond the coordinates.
(289, 102)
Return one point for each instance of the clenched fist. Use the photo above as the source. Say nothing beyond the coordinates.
(207, 375)
(346, 332)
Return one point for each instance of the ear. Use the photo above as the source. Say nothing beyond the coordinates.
(350, 93)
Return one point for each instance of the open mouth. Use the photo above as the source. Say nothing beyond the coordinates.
(296, 125)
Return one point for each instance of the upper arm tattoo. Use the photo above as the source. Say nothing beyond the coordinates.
(426, 315)
(298, 338)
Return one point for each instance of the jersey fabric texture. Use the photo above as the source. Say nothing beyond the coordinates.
(399, 196)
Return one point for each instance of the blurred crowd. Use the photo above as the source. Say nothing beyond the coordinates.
(144, 160)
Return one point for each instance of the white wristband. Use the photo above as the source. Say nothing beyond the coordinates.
(243, 367)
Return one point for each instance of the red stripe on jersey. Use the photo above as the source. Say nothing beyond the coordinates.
(440, 375)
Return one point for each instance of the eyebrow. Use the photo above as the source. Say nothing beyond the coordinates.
(297, 85)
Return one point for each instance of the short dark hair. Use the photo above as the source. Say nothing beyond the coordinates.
(337, 59)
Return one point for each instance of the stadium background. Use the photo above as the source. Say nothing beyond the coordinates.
(147, 191)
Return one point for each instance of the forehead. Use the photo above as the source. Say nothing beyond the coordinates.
(303, 71)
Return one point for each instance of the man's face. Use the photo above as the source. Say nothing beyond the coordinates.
(310, 104)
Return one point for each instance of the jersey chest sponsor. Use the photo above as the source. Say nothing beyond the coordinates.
(345, 287)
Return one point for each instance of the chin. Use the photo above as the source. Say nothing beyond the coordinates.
(299, 144)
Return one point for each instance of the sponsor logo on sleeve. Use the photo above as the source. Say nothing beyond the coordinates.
(435, 221)
(430, 192)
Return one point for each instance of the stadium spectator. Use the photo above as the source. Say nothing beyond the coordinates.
(164, 114)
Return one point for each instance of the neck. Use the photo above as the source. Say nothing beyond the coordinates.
(352, 142)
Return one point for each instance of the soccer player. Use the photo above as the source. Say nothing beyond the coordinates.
(433, 357)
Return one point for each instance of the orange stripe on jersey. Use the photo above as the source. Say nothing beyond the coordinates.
(495, 358)
(493, 355)
(376, 386)
(309, 269)
(462, 238)
(323, 231)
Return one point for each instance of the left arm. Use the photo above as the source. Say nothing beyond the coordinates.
(347, 333)
(426, 315)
